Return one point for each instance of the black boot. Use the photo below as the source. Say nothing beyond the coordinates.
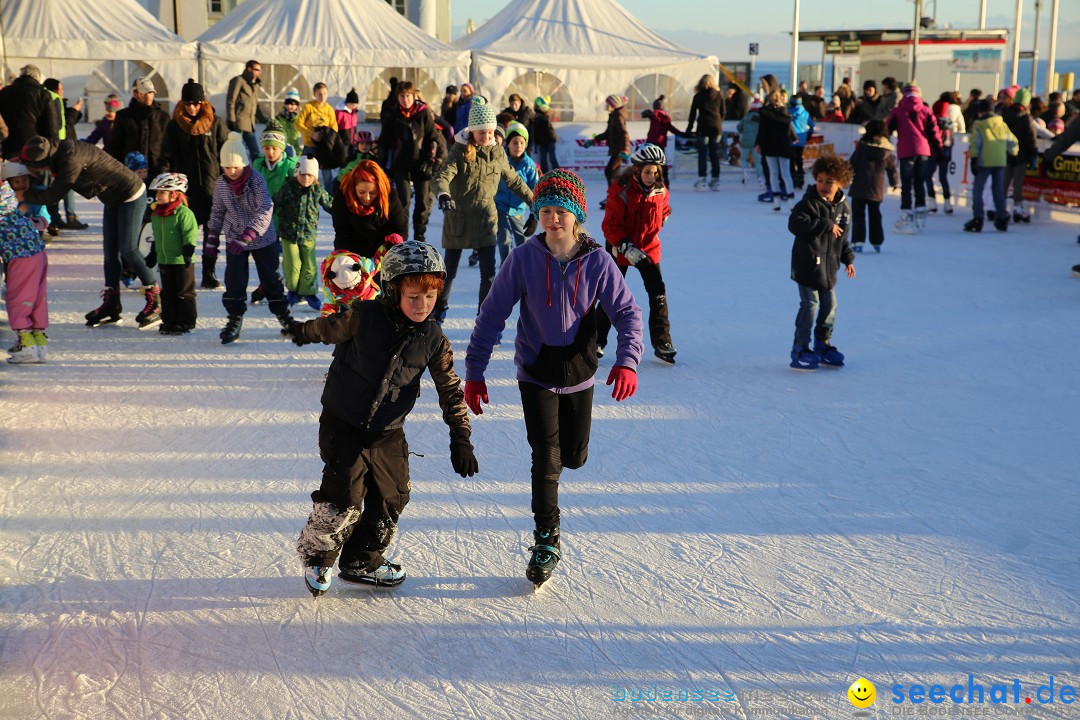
(232, 329)
(73, 223)
(257, 295)
(545, 555)
(1002, 223)
(974, 225)
(285, 319)
(209, 281)
(108, 311)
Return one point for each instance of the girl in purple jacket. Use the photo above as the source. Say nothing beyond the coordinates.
(559, 276)
(243, 213)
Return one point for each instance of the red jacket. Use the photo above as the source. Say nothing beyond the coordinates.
(659, 127)
(635, 214)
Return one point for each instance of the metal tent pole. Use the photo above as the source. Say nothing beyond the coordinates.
(1052, 55)
(1016, 43)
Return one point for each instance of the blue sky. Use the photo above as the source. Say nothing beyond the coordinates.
(723, 28)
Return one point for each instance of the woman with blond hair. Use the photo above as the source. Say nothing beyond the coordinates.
(708, 110)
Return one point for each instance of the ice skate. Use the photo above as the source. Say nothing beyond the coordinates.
(829, 355)
(699, 186)
(1001, 223)
(714, 184)
(1076, 271)
(108, 311)
(974, 225)
(948, 206)
(386, 575)
(317, 579)
(857, 247)
(906, 224)
(802, 358)
(232, 329)
(257, 295)
(931, 205)
(42, 341)
(25, 350)
(920, 218)
(666, 352)
(545, 555)
(150, 315)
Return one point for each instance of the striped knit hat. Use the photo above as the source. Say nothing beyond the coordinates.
(543, 102)
(273, 136)
(614, 102)
(516, 128)
(481, 114)
(561, 188)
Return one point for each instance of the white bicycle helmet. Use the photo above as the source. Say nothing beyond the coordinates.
(169, 181)
(649, 154)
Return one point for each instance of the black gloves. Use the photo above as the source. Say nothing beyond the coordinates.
(446, 203)
(463, 458)
(530, 226)
(187, 251)
(295, 332)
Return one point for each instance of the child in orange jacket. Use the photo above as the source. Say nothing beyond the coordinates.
(637, 207)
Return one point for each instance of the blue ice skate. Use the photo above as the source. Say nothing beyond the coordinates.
(829, 355)
(317, 579)
(802, 358)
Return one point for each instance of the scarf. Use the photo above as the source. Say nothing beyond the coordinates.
(364, 172)
(239, 183)
(198, 125)
(411, 110)
(169, 208)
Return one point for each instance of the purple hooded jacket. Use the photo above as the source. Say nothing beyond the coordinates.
(554, 299)
(916, 128)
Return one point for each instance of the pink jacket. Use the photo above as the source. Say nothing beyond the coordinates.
(916, 128)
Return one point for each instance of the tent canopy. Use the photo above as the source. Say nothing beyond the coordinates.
(591, 34)
(366, 33)
(79, 30)
(594, 47)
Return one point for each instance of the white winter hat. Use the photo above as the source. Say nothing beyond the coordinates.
(234, 153)
(307, 166)
(13, 169)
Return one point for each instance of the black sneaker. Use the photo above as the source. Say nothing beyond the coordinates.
(666, 353)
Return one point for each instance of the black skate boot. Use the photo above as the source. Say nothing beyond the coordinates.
(973, 225)
(232, 328)
(545, 555)
(1002, 223)
(73, 223)
(209, 280)
(257, 295)
(285, 319)
(474, 259)
(150, 315)
(108, 311)
(666, 352)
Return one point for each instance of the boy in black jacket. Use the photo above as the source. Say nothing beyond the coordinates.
(383, 348)
(819, 223)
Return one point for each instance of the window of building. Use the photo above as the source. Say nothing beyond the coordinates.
(647, 88)
(217, 7)
(536, 83)
(398, 5)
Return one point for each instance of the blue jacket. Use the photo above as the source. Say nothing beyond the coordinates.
(506, 201)
(801, 123)
(556, 333)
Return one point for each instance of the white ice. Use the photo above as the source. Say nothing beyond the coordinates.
(739, 526)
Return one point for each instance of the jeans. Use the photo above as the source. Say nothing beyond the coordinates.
(252, 144)
(941, 163)
(236, 280)
(547, 158)
(713, 157)
(120, 228)
(860, 209)
(402, 185)
(558, 427)
(487, 273)
(780, 169)
(511, 234)
(996, 175)
(912, 174)
(1017, 173)
(813, 302)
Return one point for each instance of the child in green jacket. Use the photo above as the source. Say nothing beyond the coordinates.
(176, 234)
(296, 208)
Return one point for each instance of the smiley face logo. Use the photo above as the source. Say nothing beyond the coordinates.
(862, 693)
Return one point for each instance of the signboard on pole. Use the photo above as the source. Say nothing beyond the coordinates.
(753, 48)
(983, 60)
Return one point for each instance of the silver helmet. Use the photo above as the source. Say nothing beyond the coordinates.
(649, 154)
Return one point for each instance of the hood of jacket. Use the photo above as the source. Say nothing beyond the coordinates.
(877, 142)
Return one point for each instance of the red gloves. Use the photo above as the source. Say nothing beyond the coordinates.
(394, 239)
(624, 378)
(475, 391)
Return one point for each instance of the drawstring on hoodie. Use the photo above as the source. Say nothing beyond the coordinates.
(577, 280)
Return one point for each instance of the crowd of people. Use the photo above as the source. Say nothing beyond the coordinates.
(385, 289)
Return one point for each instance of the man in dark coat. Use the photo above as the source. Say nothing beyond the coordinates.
(407, 140)
(29, 110)
(140, 127)
(242, 105)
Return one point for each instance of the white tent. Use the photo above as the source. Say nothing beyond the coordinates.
(583, 51)
(94, 48)
(344, 43)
